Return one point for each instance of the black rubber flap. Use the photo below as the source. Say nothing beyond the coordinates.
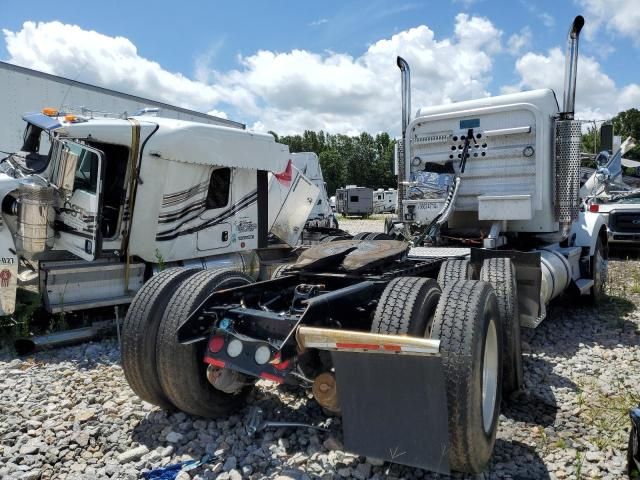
(394, 408)
(353, 255)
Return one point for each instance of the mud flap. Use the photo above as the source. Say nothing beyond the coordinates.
(394, 408)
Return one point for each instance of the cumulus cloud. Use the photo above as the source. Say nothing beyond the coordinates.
(597, 95)
(618, 16)
(282, 91)
(519, 41)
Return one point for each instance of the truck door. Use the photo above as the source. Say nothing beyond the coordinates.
(78, 215)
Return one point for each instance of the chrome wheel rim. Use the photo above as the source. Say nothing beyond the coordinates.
(489, 376)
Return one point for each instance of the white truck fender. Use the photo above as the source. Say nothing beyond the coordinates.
(587, 229)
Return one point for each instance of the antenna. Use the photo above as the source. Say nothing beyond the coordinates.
(71, 86)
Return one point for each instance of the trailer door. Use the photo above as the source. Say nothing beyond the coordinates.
(78, 215)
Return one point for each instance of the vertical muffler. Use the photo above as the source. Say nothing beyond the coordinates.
(568, 139)
(405, 87)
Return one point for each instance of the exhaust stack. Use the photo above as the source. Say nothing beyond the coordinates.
(405, 77)
(405, 86)
(571, 68)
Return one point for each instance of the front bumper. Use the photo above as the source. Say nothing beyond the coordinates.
(624, 237)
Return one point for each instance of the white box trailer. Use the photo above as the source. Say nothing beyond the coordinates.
(25, 90)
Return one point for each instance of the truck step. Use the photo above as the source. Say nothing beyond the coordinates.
(78, 285)
(584, 285)
(106, 302)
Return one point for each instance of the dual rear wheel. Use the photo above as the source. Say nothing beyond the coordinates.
(465, 317)
(160, 370)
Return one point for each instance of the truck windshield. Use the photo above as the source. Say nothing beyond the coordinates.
(35, 153)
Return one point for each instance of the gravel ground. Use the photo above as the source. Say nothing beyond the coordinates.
(69, 413)
(353, 225)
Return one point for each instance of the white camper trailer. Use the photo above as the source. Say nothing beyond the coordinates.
(385, 201)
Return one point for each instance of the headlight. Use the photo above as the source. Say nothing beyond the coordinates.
(234, 348)
(262, 355)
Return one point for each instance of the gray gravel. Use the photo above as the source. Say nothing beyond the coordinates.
(69, 413)
(353, 225)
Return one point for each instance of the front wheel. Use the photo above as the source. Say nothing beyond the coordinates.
(467, 323)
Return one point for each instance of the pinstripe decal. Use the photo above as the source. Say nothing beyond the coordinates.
(175, 232)
(172, 199)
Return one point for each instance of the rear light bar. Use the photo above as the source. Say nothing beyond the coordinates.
(353, 341)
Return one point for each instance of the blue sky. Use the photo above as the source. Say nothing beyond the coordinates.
(215, 43)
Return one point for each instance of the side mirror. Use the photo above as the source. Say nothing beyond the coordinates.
(63, 173)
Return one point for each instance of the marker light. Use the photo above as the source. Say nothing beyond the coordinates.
(262, 355)
(234, 348)
(50, 112)
(216, 344)
(69, 118)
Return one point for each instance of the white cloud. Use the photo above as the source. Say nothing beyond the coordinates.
(519, 41)
(217, 113)
(619, 16)
(113, 62)
(282, 91)
(317, 23)
(597, 95)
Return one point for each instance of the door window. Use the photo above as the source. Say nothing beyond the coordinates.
(86, 177)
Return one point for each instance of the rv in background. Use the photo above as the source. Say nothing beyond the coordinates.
(355, 201)
(385, 201)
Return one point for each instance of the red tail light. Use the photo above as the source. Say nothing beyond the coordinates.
(216, 344)
(594, 208)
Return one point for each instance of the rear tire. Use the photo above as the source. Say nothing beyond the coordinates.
(360, 236)
(139, 332)
(181, 368)
(467, 323)
(454, 271)
(407, 307)
(378, 236)
(333, 238)
(501, 274)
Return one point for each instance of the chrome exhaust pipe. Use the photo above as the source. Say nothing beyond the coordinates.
(405, 77)
(403, 145)
(571, 69)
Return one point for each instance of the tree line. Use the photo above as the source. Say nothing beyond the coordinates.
(362, 160)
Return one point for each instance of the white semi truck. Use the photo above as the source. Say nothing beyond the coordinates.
(413, 342)
(107, 202)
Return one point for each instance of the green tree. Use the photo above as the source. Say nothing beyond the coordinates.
(627, 124)
(332, 170)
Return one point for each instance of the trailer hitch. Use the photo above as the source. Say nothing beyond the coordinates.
(255, 423)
